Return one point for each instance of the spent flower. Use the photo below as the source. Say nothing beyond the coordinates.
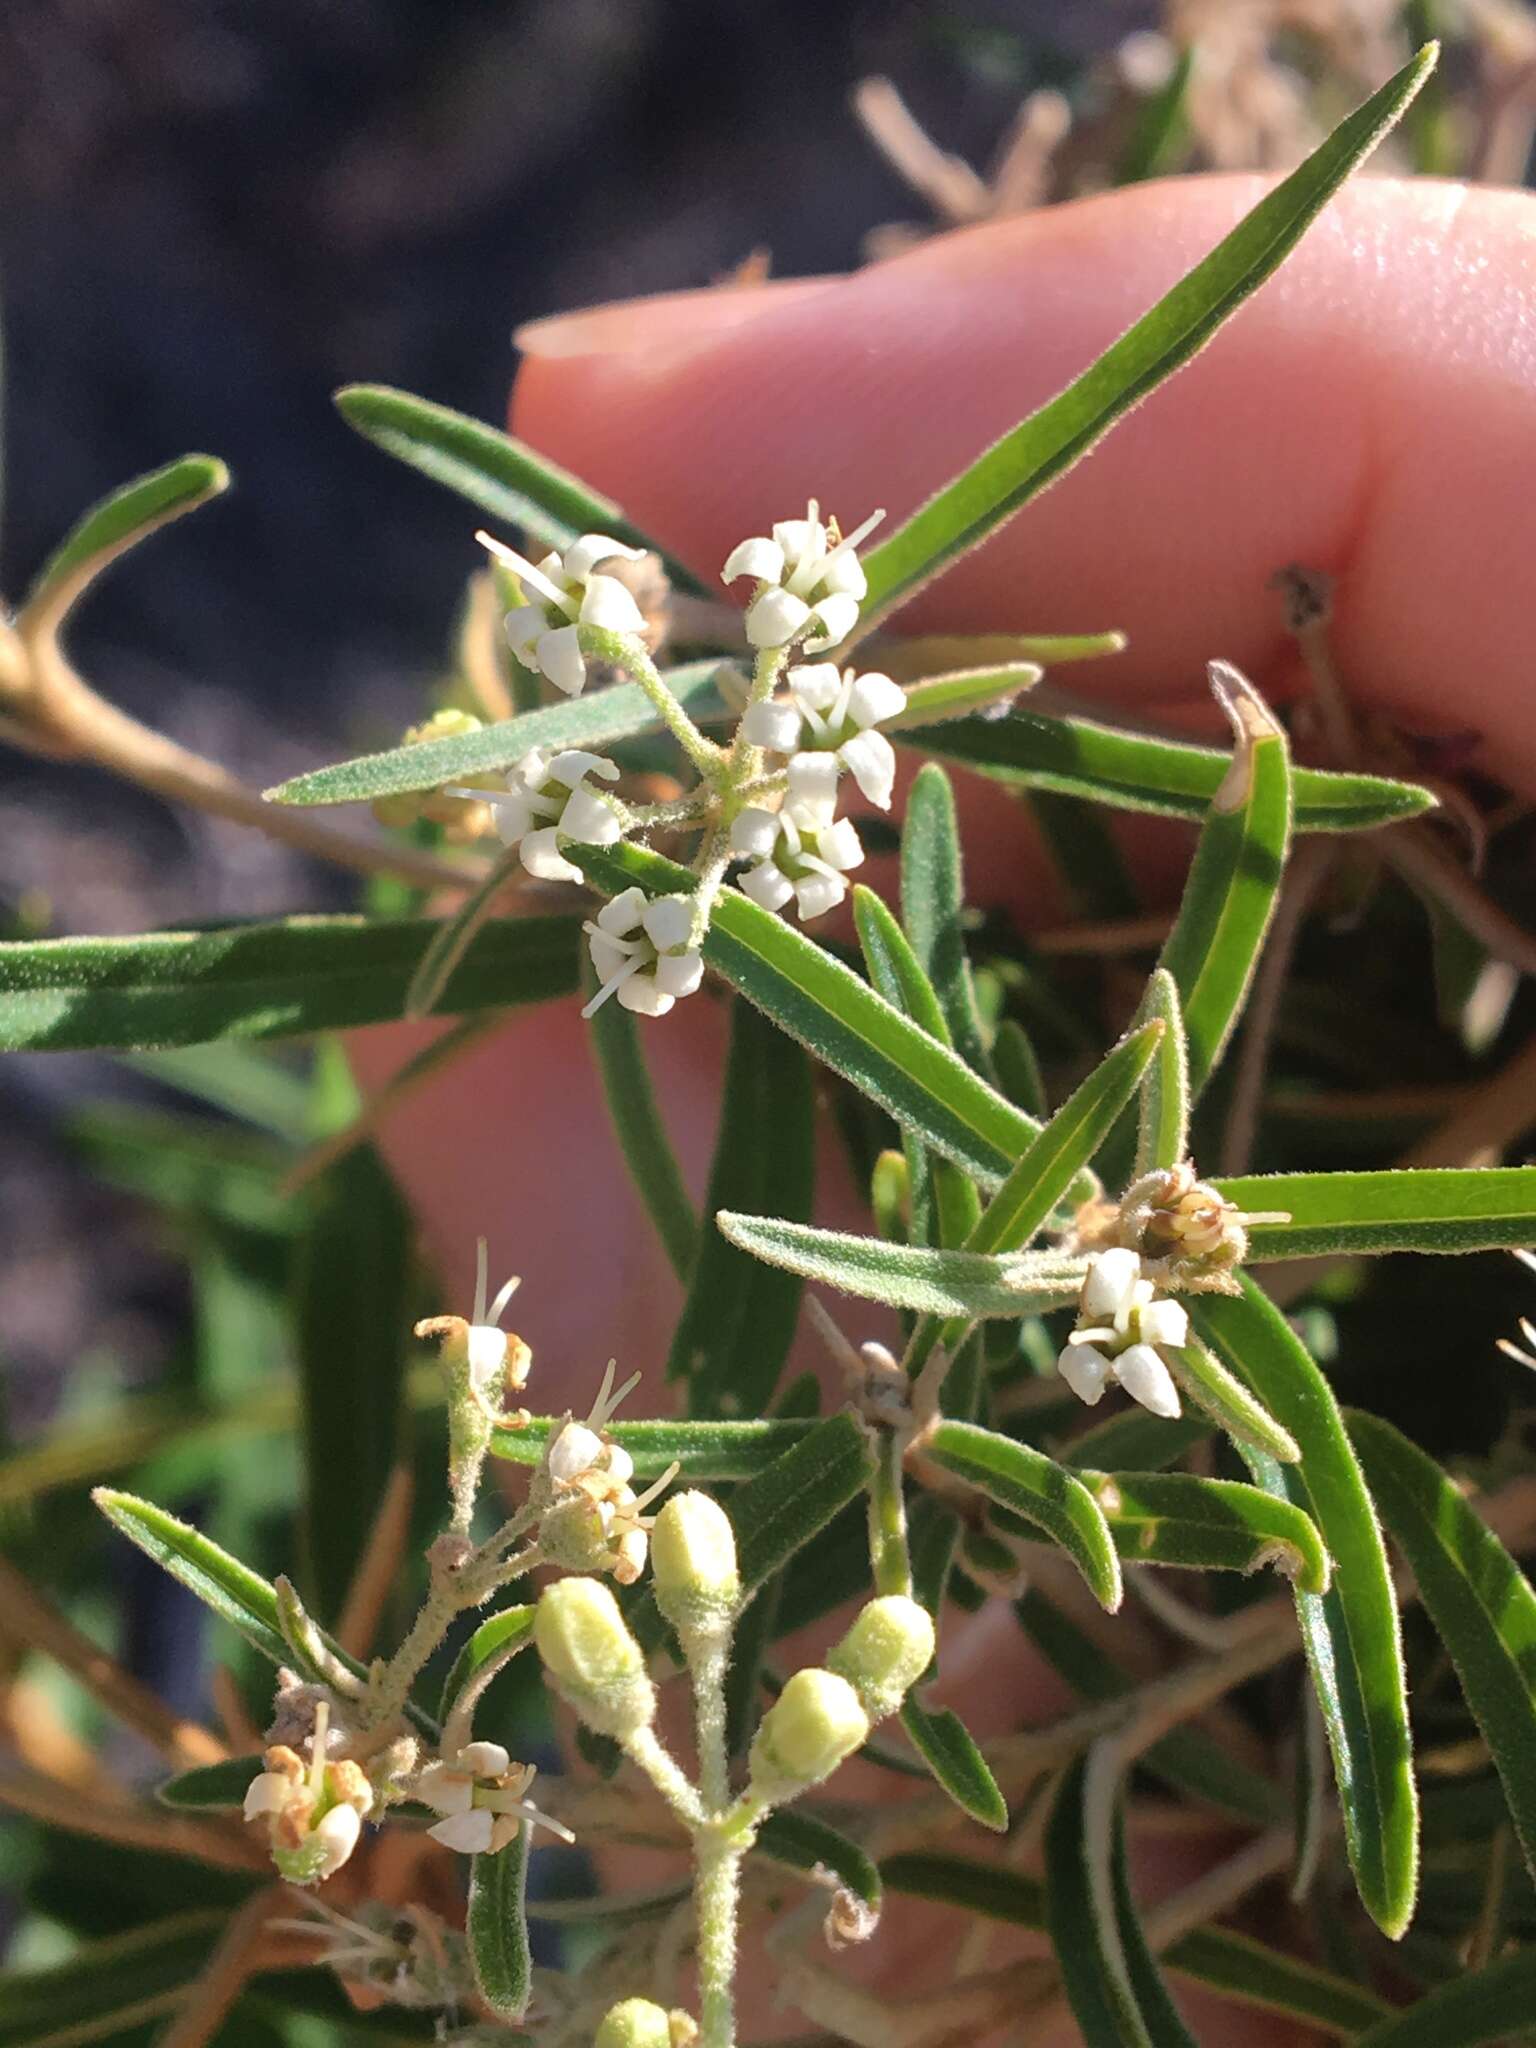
(826, 723)
(808, 577)
(314, 1812)
(563, 593)
(643, 951)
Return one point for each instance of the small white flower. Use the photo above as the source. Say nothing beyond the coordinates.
(806, 576)
(480, 1796)
(1121, 1322)
(547, 799)
(313, 1812)
(827, 723)
(597, 1522)
(496, 1360)
(800, 851)
(643, 952)
(561, 594)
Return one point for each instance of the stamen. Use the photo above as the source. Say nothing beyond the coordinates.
(482, 1276)
(657, 1486)
(322, 1727)
(525, 571)
(612, 986)
(498, 1306)
(850, 541)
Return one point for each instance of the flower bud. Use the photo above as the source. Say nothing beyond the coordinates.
(595, 1662)
(887, 1650)
(693, 1566)
(811, 1727)
(634, 2023)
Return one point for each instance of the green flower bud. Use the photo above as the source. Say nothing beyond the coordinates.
(815, 1723)
(595, 1662)
(885, 1653)
(634, 2023)
(693, 1566)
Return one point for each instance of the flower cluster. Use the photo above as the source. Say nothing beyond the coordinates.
(1121, 1323)
(826, 724)
(644, 952)
(801, 851)
(561, 594)
(807, 576)
(480, 1796)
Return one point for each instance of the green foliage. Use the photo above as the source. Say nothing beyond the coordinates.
(497, 1923)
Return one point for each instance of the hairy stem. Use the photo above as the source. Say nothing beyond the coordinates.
(626, 652)
(716, 1883)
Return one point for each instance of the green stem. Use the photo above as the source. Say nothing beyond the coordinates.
(627, 653)
(716, 1878)
(890, 1563)
(646, 1752)
(707, 1666)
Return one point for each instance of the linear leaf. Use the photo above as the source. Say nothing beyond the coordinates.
(595, 719)
(1400, 1209)
(705, 1450)
(1477, 1597)
(949, 1749)
(805, 1843)
(493, 1638)
(1225, 1400)
(211, 1788)
(113, 525)
(302, 974)
(841, 1020)
(1235, 1965)
(497, 1926)
(642, 1135)
(1483, 2005)
(920, 1277)
(1112, 1981)
(933, 906)
(739, 1319)
(1234, 882)
(1174, 1518)
(780, 1510)
(1032, 455)
(492, 470)
(1040, 1490)
(1163, 1134)
(1350, 1633)
(1134, 1441)
(962, 692)
(1078, 755)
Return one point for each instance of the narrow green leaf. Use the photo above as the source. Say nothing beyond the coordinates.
(353, 1280)
(805, 1843)
(949, 1749)
(1018, 1069)
(597, 718)
(642, 1136)
(1161, 128)
(1235, 1965)
(1477, 1597)
(105, 1981)
(1401, 1209)
(262, 980)
(259, 1088)
(497, 1926)
(493, 1638)
(1234, 883)
(780, 1510)
(1032, 455)
(933, 907)
(1222, 1396)
(963, 692)
(1086, 856)
(705, 1450)
(1079, 756)
(1483, 2005)
(113, 525)
(757, 1628)
(1040, 1490)
(1134, 1441)
(211, 1788)
(739, 1319)
(1350, 1633)
(934, 1282)
(841, 1020)
(1173, 1518)
(455, 934)
(1112, 1982)
(502, 476)
(1163, 1134)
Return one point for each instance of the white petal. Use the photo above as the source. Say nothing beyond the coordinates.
(610, 604)
(767, 886)
(511, 815)
(338, 1833)
(669, 922)
(1110, 1283)
(446, 1792)
(619, 1464)
(770, 725)
(571, 766)
(469, 1833)
(1164, 1322)
(487, 1353)
(760, 558)
(813, 779)
(641, 995)
(576, 1449)
(815, 894)
(815, 684)
(844, 575)
(609, 957)
(775, 618)
(1085, 1371)
(754, 832)
(875, 698)
(838, 616)
(870, 759)
(1147, 1380)
(679, 974)
(800, 539)
(838, 845)
(622, 914)
(561, 659)
(583, 555)
(589, 820)
(269, 1793)
(541, 856)
(485, 1759)
(524, 624)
